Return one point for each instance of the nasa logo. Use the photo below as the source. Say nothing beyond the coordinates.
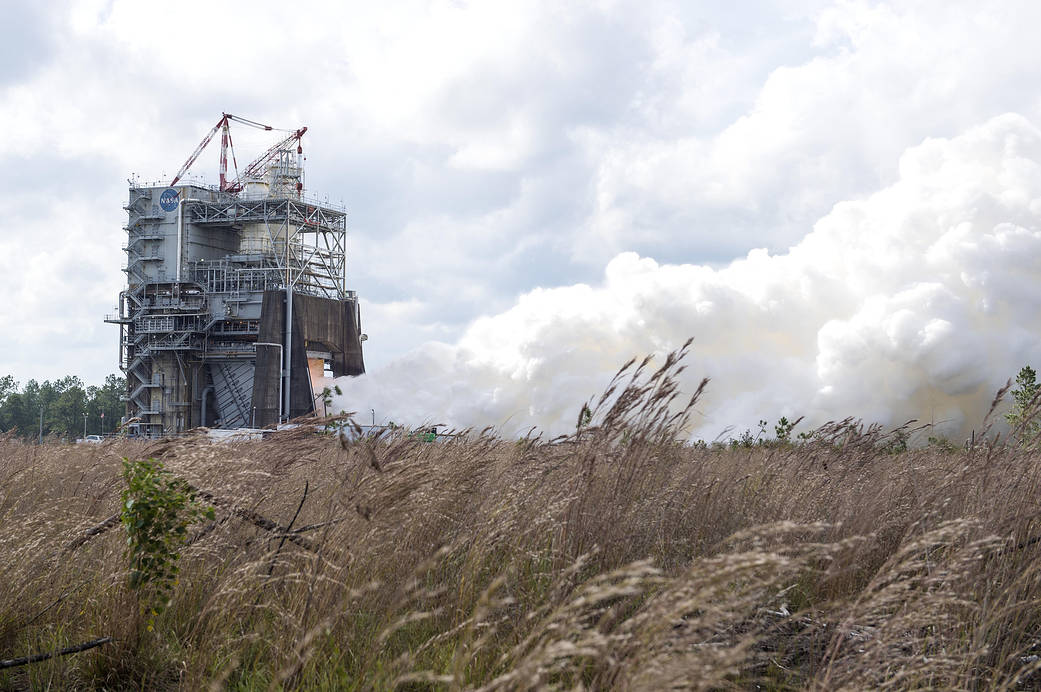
(168, 200)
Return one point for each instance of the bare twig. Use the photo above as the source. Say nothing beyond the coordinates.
(36, 658)
(287, 534)
(249, 515)
(55, 602)
(96, 530)
(206, 531)
(257, 520)
(311, 527)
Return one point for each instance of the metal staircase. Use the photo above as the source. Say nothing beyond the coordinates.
(233, 389)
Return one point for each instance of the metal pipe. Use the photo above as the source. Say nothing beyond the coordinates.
(206, 390)
(287, 358)
(280, 358)
(288, 353)
(180, 235)
(180, 231)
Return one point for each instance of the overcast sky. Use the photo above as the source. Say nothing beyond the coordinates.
(483, 150)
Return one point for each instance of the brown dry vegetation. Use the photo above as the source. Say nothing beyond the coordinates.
(615, 558)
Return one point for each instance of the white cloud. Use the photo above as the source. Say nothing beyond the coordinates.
(820, 130)
(916, 302)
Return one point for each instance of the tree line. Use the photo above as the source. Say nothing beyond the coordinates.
(61, 406)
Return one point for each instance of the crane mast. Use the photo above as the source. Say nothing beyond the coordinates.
(226, 143)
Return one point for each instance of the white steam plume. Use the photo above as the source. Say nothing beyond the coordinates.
(917, 302)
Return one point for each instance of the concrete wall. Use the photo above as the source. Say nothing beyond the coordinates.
(319, 324)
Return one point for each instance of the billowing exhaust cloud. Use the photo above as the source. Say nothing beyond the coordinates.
(916, 302)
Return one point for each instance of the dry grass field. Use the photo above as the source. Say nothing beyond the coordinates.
(613, 559)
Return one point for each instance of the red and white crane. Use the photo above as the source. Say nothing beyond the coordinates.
(255, 168)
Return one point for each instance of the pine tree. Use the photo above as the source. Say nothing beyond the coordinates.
(1023, 414)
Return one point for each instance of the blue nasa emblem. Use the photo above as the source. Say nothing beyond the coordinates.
(168, 200)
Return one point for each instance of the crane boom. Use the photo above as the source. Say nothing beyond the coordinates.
(198, 150)
(222, 124)
(256, 167)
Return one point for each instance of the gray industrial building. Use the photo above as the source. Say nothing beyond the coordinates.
(236, 300)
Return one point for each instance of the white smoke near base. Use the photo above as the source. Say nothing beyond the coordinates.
(919, 301)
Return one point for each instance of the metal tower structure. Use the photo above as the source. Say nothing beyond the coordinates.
(236, 301)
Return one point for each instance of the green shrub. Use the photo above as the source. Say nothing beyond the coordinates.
(157, 509)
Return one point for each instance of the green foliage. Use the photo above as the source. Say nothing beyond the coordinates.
(1022, 416)
(63, 403)
(943, 444)
(585, 417)
(7, 387)
(783, 430)
(326, 397)
(746, 440)
(782, 435)
(157, 509)
(897, 441)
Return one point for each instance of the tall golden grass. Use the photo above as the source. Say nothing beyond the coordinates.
(613, 558)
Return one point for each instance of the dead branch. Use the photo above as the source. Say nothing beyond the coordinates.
(36, 658)
(312, 527)
(288, 534)
(91, 532)
(249, 515)
(55, 602)
(261, 522)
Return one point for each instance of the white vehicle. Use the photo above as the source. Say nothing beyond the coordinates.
(90, 439)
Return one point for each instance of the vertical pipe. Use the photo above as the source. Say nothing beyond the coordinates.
(205, 392)
(180, 230)
(288, 355)
(287, 341)
(180, 235)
